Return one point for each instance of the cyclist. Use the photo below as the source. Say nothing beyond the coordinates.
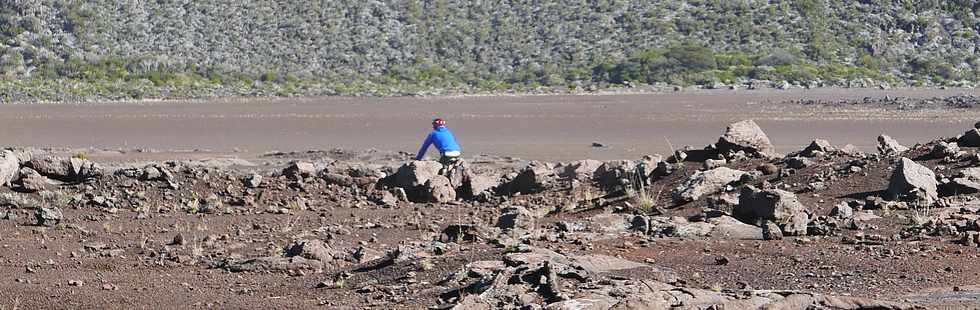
(444, 141)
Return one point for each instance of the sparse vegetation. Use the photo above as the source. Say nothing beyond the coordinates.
(640, 196)
(80, 155)
(83, 50)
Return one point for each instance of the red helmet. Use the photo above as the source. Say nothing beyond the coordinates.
(438, 122)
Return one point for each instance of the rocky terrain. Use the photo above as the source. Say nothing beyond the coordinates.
(61, 50)
(898, 103)
(730, 225)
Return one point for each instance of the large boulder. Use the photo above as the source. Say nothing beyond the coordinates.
(889, 146)
(798, 162)
(299, 170)
(944, 150)
(8, 167)
(966, 182)
(65, 169)
(338, 179)
(581, 170)
(970, 139)
(616, 173)
(817, 147)
(48, 215)
(781, 207)
(536, 177)
(727, 227)
(438, 189)
(31, 181)
(912, 180)
(475, 185)
(515, 218)
(414, 179)
(416, 173)
(313, 249)
(703, 183)
(253, 180)
(745, 136)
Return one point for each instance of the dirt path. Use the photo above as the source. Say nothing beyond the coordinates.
(535, 127)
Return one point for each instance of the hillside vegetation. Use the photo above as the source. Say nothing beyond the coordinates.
(100, 49)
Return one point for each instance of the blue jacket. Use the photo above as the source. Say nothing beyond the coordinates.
(442, 138)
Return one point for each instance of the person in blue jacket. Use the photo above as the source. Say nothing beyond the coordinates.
(444, 141)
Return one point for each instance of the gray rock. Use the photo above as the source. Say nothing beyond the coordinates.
(313, 249)
(771, 231)
(476, 185)
(337, 179)
(970, 238)
(850, 149)
(438, 189)
(658, 295)
(32, 181)
(581, 170)
(416, 174)
(663, 169)
(152, 173)
(515, 218)
(970, 139)
(384, 198)
(614, 174)
(279, 264)
(864, 216)
(843, 210)
(704, 183)
(757, 206)
(609, 223)
(966, 182)
(911, 179)
(400, 194)
(798, 162)
(48, 216)
(253, 180)
(65, 169)
(598, 263)
(727, 227)
(889, 146)
(943, 150)
(724, 202)
(768, 169)
(640, 223)
(784, 85)
(534, 178)
(8, 168)
(714, 163)
(816, 147)
(299, 170)
(745, 136)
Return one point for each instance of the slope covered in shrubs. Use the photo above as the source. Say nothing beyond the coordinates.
(69, 49)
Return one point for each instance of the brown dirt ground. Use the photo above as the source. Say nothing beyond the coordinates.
(42, 266)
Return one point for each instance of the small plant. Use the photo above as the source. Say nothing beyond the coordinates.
(339, 281)
(639, 195)
(921, 214)
(716, 287)
(194, 206)
(80, 155)
(426, 265)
